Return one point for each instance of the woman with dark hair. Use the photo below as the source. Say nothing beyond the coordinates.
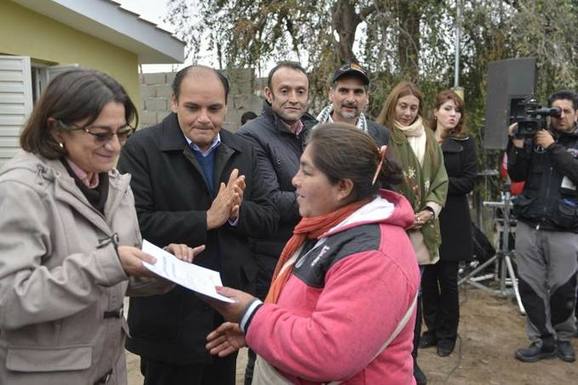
(341, 307)
(425, 181)
(70, 238)
(440, 281)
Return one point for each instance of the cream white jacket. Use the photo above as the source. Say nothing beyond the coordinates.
(58, 276)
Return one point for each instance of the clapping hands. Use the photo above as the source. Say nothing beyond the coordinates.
(227, 203)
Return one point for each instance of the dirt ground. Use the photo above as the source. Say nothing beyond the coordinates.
(491, 328)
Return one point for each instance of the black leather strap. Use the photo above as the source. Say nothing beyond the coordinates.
(113, 313)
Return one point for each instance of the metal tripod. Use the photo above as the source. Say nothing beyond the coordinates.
(502, 260)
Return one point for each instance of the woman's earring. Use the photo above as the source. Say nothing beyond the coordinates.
(61, 145)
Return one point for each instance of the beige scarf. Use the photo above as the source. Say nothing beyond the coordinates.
(415, 134)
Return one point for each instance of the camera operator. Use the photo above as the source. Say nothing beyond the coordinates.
(547, 230)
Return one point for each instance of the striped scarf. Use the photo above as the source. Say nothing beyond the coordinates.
(325, 117)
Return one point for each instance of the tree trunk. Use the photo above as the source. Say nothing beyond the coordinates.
(345, 21)
(408, 45)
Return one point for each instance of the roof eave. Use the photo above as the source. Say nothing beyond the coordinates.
(106, 20)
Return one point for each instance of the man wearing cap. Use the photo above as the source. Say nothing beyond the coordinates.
(349, 98)
(278, 136)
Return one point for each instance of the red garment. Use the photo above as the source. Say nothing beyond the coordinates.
(516, 188)
(315, 335)
(307, 228)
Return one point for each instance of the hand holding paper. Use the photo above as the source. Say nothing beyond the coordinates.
(193, 277)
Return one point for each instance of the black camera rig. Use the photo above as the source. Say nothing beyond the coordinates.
(534, 118)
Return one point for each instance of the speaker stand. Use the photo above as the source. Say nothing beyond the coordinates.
(503, 267)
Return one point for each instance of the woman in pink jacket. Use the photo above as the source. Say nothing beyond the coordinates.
(341, 307)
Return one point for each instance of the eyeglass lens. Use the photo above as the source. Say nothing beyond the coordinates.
(106, 136)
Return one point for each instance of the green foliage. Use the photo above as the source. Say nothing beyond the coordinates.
(393, 39)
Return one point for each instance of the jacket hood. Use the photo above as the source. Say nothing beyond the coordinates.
(388, 207)
(22, 160)
(51, 170)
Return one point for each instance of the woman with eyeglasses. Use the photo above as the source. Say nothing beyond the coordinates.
(70, 238)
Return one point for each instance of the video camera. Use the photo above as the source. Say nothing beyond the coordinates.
(534, 118)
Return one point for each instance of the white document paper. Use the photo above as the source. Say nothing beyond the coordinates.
(567, 183)
(193, 277)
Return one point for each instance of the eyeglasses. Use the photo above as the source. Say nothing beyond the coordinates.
(101, 135)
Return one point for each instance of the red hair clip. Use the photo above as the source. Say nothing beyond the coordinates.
(380, 164)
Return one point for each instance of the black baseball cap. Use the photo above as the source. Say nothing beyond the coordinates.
(353, 69)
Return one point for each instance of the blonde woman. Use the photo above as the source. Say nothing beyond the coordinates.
(425, 181)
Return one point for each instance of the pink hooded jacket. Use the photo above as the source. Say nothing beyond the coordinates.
(344, 300)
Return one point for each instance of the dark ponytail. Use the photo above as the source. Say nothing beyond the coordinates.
(341, 151)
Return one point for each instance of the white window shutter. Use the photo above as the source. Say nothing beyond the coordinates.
(15, 102)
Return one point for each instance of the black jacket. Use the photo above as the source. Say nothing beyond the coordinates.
(171, 198)
(378, 132)
(455, 223)
(549, 198)
(278, 151)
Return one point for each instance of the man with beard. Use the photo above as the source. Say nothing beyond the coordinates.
(278, 135)
(349, 99)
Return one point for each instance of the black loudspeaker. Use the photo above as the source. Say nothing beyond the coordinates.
(509, 83)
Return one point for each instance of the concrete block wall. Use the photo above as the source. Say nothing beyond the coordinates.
(155, 101)
(243, 96)
(156, 92)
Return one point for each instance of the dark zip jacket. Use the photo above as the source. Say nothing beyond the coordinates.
(549, 199)
(278, 151)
